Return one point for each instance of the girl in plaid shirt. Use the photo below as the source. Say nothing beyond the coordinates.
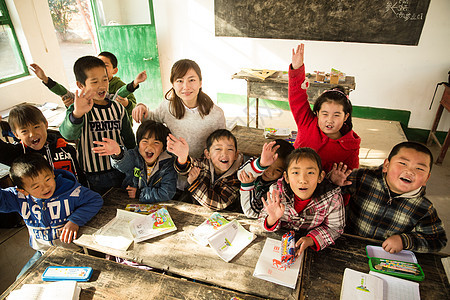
(305, 201)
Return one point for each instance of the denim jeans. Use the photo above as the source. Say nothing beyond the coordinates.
(101, 182)
(31, 262)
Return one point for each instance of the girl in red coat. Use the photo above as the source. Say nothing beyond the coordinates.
(328, 127)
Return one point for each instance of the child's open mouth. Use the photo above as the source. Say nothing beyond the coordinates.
(329, 126)
(102, 94)
(224, 161)
(149, 155)
(303, 189)
(405, 180)
(35, 142)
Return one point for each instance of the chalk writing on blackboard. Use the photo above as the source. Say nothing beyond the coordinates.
(401, 10)
(383, 21)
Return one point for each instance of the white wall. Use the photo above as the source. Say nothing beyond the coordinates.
(387, 76)
(39, 44)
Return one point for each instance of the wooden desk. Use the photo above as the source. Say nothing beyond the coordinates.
(445, 103)
(275, 87)
(176, 253)
(111, 280)
(323, 271)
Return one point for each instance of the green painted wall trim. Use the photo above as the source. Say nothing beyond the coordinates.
(374, 113)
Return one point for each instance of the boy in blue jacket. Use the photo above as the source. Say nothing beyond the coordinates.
(52, 203)
(149, 169)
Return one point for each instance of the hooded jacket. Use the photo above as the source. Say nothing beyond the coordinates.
(44, 217)
(162, 184)
(59, 153)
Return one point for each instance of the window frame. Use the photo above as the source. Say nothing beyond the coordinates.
(6, 20)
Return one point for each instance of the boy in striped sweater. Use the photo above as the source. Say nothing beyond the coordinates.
(95, 115)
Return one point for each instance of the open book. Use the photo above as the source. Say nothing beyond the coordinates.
(359, 285)
(269, 265)
(61, 290)
(153, 225)
(230, 239)
(208, 228)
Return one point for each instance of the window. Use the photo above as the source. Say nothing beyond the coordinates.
(12, 63)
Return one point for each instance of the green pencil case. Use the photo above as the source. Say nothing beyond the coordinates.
(402, 264)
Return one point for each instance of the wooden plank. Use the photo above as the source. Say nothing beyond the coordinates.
(323, 271)
(178, 254)
(111, 280)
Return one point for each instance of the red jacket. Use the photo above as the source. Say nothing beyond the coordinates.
(344, 149)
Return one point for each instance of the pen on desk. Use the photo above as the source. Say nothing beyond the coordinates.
(400, 264)
(396, 270)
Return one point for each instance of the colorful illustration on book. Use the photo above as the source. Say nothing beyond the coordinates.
(288, 248)
(162, 219)
(144, 209)
(216, 220)
(278, 265)
(363, 286)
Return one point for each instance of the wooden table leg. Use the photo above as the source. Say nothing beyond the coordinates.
(435, 124)
(444, 148)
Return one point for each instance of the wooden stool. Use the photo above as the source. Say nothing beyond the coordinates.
(445, 103)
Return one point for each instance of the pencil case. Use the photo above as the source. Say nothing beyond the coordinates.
(55, 273)
(402, 264)
(288, 248)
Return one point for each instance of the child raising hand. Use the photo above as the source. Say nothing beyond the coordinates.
(328, 127)
(303, 200)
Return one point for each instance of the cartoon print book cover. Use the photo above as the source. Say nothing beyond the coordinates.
(161, 219)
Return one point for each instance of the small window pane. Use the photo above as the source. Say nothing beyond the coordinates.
(116, 12)
(10, 60)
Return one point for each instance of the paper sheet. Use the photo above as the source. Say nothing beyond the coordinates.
(396, 288)
(116, 233)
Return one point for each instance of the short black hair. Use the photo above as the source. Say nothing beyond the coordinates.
(23, 115)
(285, 148)
(304, 152)
(218, 134)
(28, 165)
(411, 145)
(111, 57)
(84, 64)
(155, 129)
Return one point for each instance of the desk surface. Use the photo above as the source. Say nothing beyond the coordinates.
(111, 280)
(178, 254)
(323, 271)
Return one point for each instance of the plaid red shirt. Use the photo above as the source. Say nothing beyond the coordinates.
(323, 218)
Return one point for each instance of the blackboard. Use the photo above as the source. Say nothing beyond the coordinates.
(365, 21)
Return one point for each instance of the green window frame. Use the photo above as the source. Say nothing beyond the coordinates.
(6, 26)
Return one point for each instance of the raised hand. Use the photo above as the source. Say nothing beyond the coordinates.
(297, 56)
(39, 72)
(141, 77)
(83, 102)
(107, 147)
(179, 147)
(339, 173)
(268, 154)
(140, 113)
(274, 207)
(245, 177)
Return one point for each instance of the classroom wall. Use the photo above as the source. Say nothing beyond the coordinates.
(34, 27)
(387, 76)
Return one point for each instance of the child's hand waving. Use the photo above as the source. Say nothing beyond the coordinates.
(107, 147)
(297, 56)
(39, 72)
(179, 147)
(339, 173)
(274, 207)
(245, 177)
(83, 103)
(141, 77)
(268, 154)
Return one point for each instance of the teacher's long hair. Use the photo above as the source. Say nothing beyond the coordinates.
(176, 107)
